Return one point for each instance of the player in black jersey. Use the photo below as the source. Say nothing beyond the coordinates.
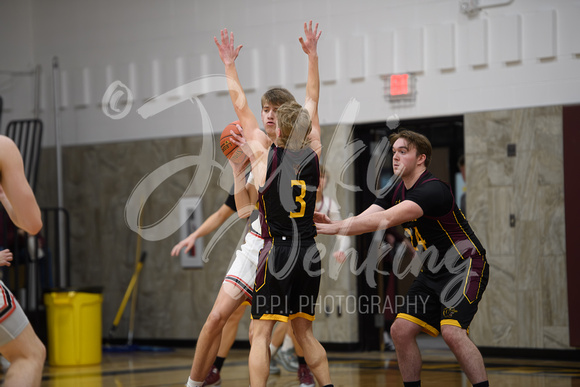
(444, 296)
(286, 178)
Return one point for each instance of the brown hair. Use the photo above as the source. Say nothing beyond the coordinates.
(277, 96)
(415, 140)
(295, 126)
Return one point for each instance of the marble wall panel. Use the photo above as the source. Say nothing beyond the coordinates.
(478, 200)
(529, 328)
(500, 236)
(475, 143)
(528, 251)
(554, 302)
(500, 170)
(556, 337)
(526, 299)
(498, 312)
(553, 233)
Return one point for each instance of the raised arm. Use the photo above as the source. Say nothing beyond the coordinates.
(228, 54)
(15, 192)
(309, 46)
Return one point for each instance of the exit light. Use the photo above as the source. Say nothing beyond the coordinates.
(400, 87)
(399, 84)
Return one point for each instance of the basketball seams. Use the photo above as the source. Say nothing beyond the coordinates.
(229, 149)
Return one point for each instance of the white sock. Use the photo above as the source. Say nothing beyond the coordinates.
(273, 350)
(191, 383)
(288, 343)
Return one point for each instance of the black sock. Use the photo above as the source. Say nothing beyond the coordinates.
(412, 384)
(301, 360)
(482, 384)
(219, 362)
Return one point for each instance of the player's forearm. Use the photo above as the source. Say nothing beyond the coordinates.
(242, 197)
(237, 94)
(362, 224)
(213, 221)
(313, 82)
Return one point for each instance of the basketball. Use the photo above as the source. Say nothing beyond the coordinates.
(231, 150)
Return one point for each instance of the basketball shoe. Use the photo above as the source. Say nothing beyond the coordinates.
(287, 359)
(213, 378)
(305, 376)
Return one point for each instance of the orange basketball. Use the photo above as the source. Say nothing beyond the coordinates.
(231, 150)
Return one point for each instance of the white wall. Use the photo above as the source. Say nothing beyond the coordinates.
(520, 55)
(16, 60)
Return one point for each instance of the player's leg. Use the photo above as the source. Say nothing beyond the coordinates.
(466, 352)
(230, 331)
(314, 352)
(277, 340)
(404, 334)
(235, 289)
(278, 336)
(305, 376)
(26, 353)
(454, 326)
(210, 336)
(420, 312)
(259, 363)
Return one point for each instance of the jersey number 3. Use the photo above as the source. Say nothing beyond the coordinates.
(299, 199)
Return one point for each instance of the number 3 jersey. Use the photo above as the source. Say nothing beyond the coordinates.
(443, 229)
(288, 198)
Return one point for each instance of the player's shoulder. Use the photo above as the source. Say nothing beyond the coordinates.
(6, 145)
(431, 183)
(6, 141)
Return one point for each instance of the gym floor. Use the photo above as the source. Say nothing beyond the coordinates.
(359, 369)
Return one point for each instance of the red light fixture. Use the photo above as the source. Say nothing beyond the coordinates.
(400, 87)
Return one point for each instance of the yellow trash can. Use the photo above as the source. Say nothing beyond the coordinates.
(73, 319)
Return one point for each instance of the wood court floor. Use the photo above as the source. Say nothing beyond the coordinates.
(355, 369)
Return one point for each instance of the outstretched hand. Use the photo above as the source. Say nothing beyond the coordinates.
(5, 257)
(324, 224)
(188, 243)
(228, 53)
(312, 36)
(240, 141)
(320, 217)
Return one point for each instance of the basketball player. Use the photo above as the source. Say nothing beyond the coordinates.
(286, 177)
(444, 296)
(238, 284)
(241, 274)
(18, 342)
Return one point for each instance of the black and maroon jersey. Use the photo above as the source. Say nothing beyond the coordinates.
(442, 226)
(288, 198)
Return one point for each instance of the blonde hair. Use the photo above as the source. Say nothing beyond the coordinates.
(295, 126)
(277, 96)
